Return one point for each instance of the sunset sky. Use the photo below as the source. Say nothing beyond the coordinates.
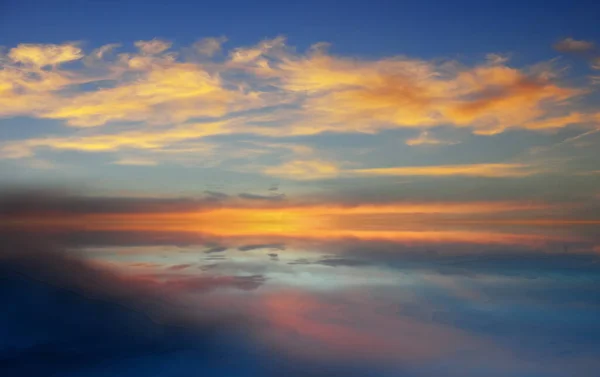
(372, 101)
(359, 188)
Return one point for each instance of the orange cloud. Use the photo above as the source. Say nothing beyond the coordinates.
(472, 170)
(336, 93)
(319, 169)
(367, 96)
(288, 93)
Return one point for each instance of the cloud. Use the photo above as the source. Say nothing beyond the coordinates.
(497, 59)
(178, 267)
(255, 58)
(25, 201)
(154, 86)
(101, 52)
(471, 170)
(368, 96)
(301, 261)
(137, 139)
(209, 46)
(216, 249)
(336, 262)
(304, 170)
(164, 94)
(588, 49)
(318, 169)
(41, 55)
(216, 195)
(150, 86)
(161, 97)
(571, 45)
(275, 197)
(153, 47)
(262, 246)
(136, 162)
(424, 138)
(562, 121)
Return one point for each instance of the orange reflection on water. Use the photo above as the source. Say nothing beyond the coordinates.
(419, 223)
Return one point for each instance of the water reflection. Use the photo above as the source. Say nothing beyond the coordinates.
(400, 297)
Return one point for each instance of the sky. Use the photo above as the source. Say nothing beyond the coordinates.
(381, 188)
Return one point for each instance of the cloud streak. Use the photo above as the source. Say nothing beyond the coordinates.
(469, 170)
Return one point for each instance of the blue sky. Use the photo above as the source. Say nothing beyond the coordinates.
(429, 28)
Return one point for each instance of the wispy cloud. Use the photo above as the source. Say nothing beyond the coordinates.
(136, 162)
(166, 97)
(136, 139)
(153, 47)
(317, 169)
(209, 46)
(472, 170)
(571, 45)
(38, 56)
(304, 170)
(425, 138)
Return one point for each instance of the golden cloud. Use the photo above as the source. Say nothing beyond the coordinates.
(334, 93)
(39, 55)
(368, 96)
(142, 139)
(269, 89)
(163, 95)
(320, 169)
(470, 170)
(151, 86)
